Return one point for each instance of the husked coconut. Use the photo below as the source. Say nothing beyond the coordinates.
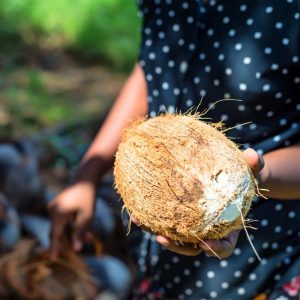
(183, 178)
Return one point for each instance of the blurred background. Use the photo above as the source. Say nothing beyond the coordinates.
(62, 63)
(62, 60)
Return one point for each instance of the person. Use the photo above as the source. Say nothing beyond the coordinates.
(194, 51)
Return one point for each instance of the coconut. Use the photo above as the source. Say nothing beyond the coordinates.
(28, 273)
(183, 178)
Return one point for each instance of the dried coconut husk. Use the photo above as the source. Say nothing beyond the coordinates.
(183, 178)
(28, 273)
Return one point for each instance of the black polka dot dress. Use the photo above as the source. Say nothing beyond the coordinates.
(247, 51)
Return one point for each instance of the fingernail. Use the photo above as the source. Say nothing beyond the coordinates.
(261, 160)
(77, 246)
(162, 241)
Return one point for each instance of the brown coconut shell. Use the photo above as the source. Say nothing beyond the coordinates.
(28, 273)
(182, 178)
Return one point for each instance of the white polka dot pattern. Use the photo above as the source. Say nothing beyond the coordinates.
(205, 51)
(248, 65)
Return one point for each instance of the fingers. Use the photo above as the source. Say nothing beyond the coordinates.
(71, 212)
(218, 248)
(134, 220)
(80, 223)
(171, 245)
(185, 249)
(221, 248)
(255, 160)
(59, 224)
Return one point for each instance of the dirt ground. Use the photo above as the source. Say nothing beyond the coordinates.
(92, 89)
(36, 96)
(81, 93)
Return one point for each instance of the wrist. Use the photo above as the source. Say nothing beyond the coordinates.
(91, 170)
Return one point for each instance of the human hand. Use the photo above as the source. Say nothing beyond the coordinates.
(256, 163)
(73, 206)
(219, 248)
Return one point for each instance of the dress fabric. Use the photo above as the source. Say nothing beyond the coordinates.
(247, 54)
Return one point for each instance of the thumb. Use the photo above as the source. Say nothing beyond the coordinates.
(255, 160)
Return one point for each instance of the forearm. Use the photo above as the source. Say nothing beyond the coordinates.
(281, 175)
(130, 104)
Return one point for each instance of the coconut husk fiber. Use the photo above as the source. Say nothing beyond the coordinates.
(28, 273)
(183, 178)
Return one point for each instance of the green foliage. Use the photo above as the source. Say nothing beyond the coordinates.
(30, 107)
(105, 29)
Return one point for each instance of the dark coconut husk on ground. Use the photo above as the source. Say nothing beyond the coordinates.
(183, 178)
(28, 273)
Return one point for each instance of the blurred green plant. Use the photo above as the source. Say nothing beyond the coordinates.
(95, 29)
(30, 107)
